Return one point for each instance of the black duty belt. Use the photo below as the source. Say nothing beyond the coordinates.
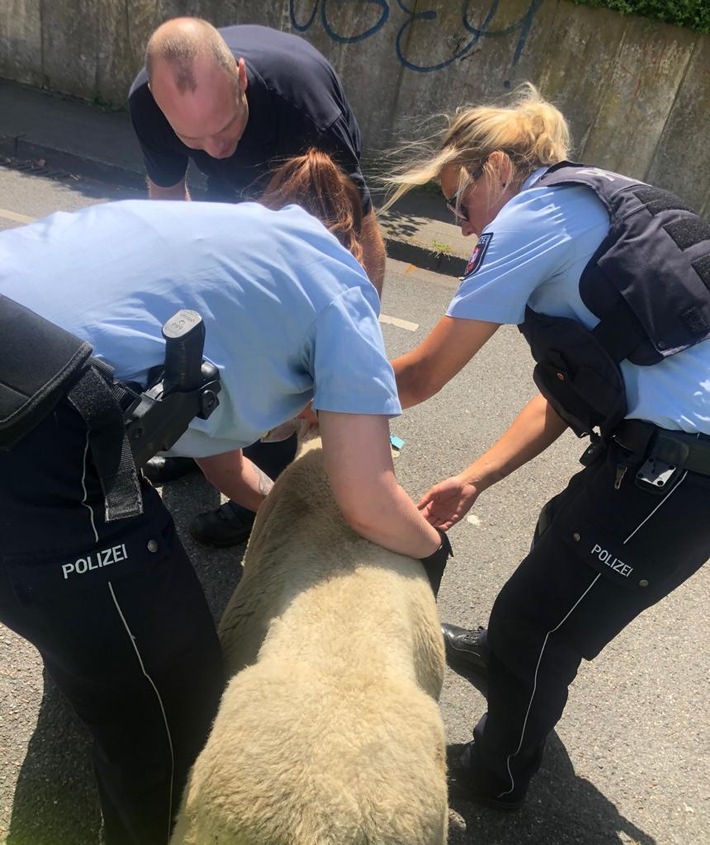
(676, 448)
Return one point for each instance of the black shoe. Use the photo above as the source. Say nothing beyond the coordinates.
(226, 526)
(465, 649)
(465, 783)
(162, 470)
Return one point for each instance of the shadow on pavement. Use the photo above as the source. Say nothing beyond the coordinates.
(561, 809)
(56, 802)
(90, 188)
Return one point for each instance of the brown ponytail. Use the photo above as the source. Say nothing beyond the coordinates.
(315, 182)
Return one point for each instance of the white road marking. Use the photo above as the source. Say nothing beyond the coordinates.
(401, 324)
(16, 218)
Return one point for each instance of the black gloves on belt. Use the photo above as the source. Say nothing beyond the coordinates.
(435, 564)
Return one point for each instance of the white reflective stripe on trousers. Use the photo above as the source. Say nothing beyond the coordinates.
(83, 487)
(160, 702)
(564, 619)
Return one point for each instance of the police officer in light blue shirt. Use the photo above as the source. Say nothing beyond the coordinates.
(544, 239)
(608, 279)
(114, 607)
(230, 271)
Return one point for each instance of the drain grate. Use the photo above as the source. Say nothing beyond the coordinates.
(36, 168)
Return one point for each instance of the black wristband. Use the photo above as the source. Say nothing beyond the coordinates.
(435, 564)
(444, 549)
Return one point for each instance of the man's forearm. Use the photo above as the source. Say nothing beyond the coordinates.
(173, 192)
(374, 254)
(238, 478)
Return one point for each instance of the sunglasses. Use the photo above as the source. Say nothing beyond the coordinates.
(453, 203)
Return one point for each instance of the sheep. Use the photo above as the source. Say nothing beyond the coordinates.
(329, 732)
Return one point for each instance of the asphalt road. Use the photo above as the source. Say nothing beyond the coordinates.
(629, 760)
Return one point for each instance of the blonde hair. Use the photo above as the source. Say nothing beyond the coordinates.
(315, 182)
(528, 130)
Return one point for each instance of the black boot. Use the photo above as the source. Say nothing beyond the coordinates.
(160, 470)
(466, 649)
(225, 526)
(469, 781)
(231, 523)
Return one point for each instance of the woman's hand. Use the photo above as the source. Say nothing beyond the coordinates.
(535, 428)
(446, 503)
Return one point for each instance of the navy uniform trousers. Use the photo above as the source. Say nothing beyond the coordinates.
(120, 619)
(604, 552)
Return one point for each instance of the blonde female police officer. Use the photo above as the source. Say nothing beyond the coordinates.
(114, 607)
(609, 281)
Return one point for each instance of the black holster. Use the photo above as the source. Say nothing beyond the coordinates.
(41, 364)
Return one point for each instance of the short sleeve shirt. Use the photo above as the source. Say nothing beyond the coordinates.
(296, 101)
(533, 254)
(289, 314)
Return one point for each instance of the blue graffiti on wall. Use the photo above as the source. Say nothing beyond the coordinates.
(381, 10)
(379, 5)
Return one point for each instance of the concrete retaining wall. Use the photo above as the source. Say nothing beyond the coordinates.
(636, 92)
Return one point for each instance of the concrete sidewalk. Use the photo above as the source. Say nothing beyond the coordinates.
(72, 136)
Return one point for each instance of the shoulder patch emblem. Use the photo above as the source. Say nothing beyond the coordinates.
(474, 262)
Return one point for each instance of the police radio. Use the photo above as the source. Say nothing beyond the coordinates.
(186, 387)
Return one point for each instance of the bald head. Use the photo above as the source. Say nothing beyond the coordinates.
(198, 85)
(181, 46)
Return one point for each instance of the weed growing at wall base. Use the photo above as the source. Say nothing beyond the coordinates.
(440, 248)
(691, 14)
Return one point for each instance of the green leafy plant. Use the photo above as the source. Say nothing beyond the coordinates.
(692, 14)
(440, 248)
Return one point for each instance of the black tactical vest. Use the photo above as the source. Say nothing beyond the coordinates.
(649, 285)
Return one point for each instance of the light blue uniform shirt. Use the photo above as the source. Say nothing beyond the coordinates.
(289, 314)
(538, 246)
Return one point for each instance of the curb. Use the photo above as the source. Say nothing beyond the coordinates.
(421, 256)
(38, 156)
